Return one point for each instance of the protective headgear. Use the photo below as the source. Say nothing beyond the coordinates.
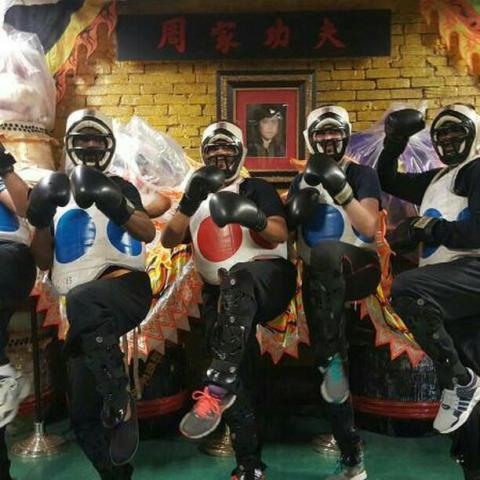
(454, 134)
(326, 119)
(230, 136)
(89, 124)
(267, 111)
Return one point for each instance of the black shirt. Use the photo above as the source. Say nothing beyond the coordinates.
(362, 178)
(264, 195)
(412, 186)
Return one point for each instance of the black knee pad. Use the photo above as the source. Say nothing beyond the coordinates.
(230, 332)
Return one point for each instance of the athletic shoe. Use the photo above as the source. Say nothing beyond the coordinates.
(13, 389)
(206, 414)
(456, 405)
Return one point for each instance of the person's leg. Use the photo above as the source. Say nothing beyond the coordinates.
(427, 299)
(100, 312)
(250, 293)
(4, 461)
(337, 273)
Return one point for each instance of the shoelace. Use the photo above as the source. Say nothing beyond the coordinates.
(206, 403)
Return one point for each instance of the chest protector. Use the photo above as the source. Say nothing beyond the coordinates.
(13, 228)
(87, 243)
(440, 201)
(215, 247)
(328, 222)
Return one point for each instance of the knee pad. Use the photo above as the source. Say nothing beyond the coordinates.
(421, 317)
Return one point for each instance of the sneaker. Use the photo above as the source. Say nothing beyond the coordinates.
(456, 405)
(346, 472)
(242, 473)
(334, 387)
(206, 414)
(13, 389)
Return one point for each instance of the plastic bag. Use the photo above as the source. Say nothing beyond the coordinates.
(419, 156)
(27, 88)
(148, 158)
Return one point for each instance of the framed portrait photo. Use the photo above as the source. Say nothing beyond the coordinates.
(270, 107)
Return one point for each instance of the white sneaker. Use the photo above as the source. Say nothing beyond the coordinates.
(456, 405)
(13, 389)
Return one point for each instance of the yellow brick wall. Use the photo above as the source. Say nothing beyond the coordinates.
(179, 98)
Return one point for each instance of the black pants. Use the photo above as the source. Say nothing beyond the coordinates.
(17, 277)
(18, 273)
(338, 272)
(266, 288)
(433, 299)
(117, 303)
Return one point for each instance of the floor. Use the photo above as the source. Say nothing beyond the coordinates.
(289, 457)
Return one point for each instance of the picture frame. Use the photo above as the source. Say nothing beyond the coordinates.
(270, 107)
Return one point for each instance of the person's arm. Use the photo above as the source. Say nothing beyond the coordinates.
(463, 233)
(407, 186)
(157, 206)
(140, 226)
(276, 230)
(363, 215)
(203, 181)
(42, 248)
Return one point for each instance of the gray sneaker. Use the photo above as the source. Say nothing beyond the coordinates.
(206, 414)
(334, 387)
(456, 405)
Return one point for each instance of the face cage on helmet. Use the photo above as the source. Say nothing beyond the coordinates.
(98, 158)
(231, 161)
(320, 146)
(468, 137)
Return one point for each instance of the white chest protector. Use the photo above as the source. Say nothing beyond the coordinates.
(87, 243)
(329, 222)
(13, 228)
(440, 201)
(216, 247)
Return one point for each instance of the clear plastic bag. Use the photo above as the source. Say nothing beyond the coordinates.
(27, 88)
(148, 158)
(419, 156)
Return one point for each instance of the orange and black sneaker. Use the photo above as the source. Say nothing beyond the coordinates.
(206, 414)
(248, 473)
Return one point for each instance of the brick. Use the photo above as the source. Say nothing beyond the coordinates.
(328, 85)
(373, 94)
(428, 82)
(430, 40)
(343, 64)
(169, 99)
(362, 63)
(456, 81)
(368, 115)
(464, 90)
(440, 92)
(413, 39)
(448, 100)
(151, 110)
(200, 121)
(360, 126)
(137, 99)
(347, 75)
(185, 110)
(416, 28)
(381, 62)
(205, 78)
(209, 110)
(437, 60)
(397, 40)
(185, 68)
(321, 75)
(358, 84)
(416, 72)
(162, 121)
(192, 88)
(128, 67)
(397, 29)
(414, 50)
(82, 80)
(183, 132)
(112, 79)
(445, 72)
(97, 100)
(117, 111)
(407, 93)
(162, 77)
(374, 105)
(111, 89)
(203, 99)
(393, 83)
(332, 96)
(156, 88)
(383, 73)
(409, 62)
